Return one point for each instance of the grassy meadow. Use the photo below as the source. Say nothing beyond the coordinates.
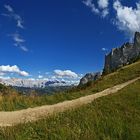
(14, 101)
(114, 117)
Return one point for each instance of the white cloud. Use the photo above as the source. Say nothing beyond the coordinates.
(103, 4)
(17, 38)
(127, 18)
(19, 23)
(40, 76)
(66, 77)
(5, 78)
(105, 12)
(102, 8)
(104, 49)
(13, 15)
(18, 42)
(90, 4)
(23, 73)
(9, 8)
(65, 73)
(53, 77)
(24, 48)
(12, 69)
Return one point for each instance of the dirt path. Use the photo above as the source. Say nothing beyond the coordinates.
(33, 114)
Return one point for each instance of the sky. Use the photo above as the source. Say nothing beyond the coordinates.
(62, 39)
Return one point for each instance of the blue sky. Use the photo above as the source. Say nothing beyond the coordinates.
(41, 36)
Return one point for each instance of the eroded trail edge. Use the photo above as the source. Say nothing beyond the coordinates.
(33, 114)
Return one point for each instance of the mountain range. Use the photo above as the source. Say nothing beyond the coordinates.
(31, 83)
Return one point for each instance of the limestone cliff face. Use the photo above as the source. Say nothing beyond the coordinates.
(90, 77)
(137, 42)
(119, 57)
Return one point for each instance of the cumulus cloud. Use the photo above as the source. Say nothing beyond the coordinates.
(12, 69)
(65, 73)
(66, 77)
(102, 8)
(103, 4)
(105, 12)
(127, 18)
(11, 13)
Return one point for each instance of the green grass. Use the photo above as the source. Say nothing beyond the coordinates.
(17, 102)
(114, 117)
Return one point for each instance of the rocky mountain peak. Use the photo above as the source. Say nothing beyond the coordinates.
(137, 36)
(137, 41)
(119, 57)
(90, 77)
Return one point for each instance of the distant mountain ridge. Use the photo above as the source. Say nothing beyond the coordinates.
(39, 83)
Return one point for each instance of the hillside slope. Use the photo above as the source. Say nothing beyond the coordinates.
(116, 116)
(7, 91)
(18, 102)
(29, 115)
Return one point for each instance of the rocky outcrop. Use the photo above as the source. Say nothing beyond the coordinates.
(117, 58)
(124, 55)
(90, 77)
